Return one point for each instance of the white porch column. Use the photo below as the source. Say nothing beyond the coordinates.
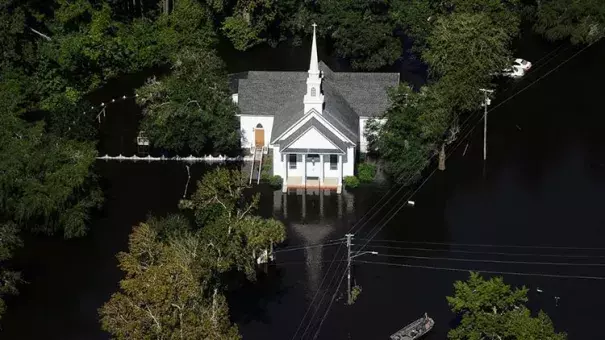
(304, 165)
(321, 170)
(285, 165)
(339, 189)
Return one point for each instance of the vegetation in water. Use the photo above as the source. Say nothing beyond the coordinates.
(188, 264)
(351, 182)
(366, 172)
(276, 181)
(491, 309)
(57, 53)
(355, 292)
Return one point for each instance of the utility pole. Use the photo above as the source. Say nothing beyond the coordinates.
(350, 257)
(486, 103)
(349, 237)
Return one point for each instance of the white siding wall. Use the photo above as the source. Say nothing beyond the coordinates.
(278, 165)
(348, 167)
(248, 124)
(327, 171)
(363, 143)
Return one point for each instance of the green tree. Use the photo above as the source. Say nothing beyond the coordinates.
(415, 18)
(8, 278)
(46, 180)
(237, 236)
(164, 295)
(491, 309)
(580, 21)
(415, 127)
(505, 14)
(361, 30)
(465, 50)
(191, 108)
(249, 22)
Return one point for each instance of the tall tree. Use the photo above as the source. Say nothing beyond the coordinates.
(163, 295)
(8, 278)
(361, 30)
(415, 127)
(580, 21)
(191, 108)
(465, 50)
(237, 236)
(491, 309)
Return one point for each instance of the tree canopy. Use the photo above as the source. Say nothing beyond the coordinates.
(491, 309)
(191, 109)
(186, 265)
(580, 21)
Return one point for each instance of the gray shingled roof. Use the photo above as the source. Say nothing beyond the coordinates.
(347, 97)
(312, 123)
(366, 93)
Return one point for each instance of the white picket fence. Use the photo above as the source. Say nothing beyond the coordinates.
(189, 159)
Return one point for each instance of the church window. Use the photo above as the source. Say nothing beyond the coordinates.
(292, 161)
(259, 126)
(313, 92)
(333, 162)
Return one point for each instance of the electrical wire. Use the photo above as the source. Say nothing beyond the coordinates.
(316, 294)
(323, 296)
(317, 245)
(490, 245)
(487, 252)
(559, 276)
(430, 175)
(323, 318)
(495, 261)
(452, 151)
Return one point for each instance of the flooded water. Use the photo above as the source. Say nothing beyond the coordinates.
(542, 185)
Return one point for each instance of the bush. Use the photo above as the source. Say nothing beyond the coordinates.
(276, 181)
(267, 168)
(366, 172)
(351, 182)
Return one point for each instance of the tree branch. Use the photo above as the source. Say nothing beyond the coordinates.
(41, 34)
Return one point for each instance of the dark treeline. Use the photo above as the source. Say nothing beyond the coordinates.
(55, 53)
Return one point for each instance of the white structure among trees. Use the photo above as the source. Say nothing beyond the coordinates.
(312, 121)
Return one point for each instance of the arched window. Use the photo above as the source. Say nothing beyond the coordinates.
(259, 126)
(312, 92)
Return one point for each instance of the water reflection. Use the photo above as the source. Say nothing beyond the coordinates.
(313, 217)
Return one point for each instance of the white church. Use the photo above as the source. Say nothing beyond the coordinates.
(313, 122)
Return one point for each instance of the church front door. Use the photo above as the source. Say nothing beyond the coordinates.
(259, 137)
(313, 169)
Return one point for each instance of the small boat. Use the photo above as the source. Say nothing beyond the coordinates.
(415, 330)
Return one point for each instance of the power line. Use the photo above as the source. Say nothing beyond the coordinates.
(452, 151)
(317, 245)
(490, 245)
(495, 261)
(329, 306)
(559, 276)
(487, 252)
(430, 175)
(317, 293)
(323, 296)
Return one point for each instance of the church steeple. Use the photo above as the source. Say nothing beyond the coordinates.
(314, 98)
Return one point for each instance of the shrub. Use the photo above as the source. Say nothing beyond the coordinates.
(267, 168)
(276, 181)
(366, 172)
(351, 182)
